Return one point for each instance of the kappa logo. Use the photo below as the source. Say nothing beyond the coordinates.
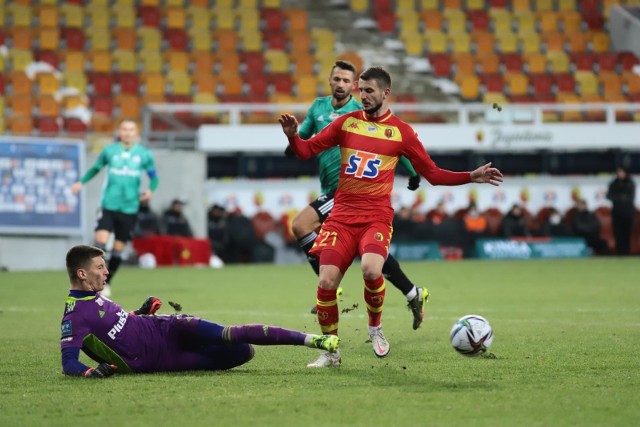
(363, 165)
(354, 125)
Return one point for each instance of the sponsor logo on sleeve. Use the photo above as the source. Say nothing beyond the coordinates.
(67, 328)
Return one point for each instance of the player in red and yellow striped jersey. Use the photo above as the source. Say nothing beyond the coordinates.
(371, 142)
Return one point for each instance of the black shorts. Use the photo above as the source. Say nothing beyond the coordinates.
(121, 224)
(323, 205)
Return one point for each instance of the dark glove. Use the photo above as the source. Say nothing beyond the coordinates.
(414, 182)
(150, 306)
(103, 370)
(289, 152)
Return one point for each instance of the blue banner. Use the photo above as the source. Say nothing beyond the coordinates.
(557, 247)
(35, 195)
(416, 251)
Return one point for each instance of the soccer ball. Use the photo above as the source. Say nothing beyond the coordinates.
(471, 335)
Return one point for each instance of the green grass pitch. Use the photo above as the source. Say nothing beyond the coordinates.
(566, 341)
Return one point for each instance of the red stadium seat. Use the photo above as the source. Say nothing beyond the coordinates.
(383, 5)
(75, 125)
(511, 61)
(628, 60)
(282, 83)
(1, 37)
(102, 83)
(103, 105)
(479, 20)
(258, 84)
(583, 61)
(542, 84)
(176, 38)
(48, 126)
(493, 82)
(129, 83)
(274, 19)
(150, 16)
(386, 22)
(607, 62)
(254, 62)
(275, 40)
(2, 84)
(441, 64)
(548, 98)
(594, 20)
(565, 83)
(499, 4)
(73, 38)
(50, 57)
(589, 5)
(522, 99)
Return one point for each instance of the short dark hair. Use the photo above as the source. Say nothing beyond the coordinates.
(79, 257)
(379, 74)
(345, 65)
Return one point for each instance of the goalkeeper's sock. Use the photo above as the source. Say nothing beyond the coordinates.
(392, 271)
(306, 243)
(114, 264)
(262, 335)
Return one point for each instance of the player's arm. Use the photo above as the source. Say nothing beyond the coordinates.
(100, 162)
(414, 177)
(305, 149)
(153, 177)
(306, 129)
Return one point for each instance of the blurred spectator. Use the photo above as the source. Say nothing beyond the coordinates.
(587, 226)
(217, 230)
(554, 225)
(622, 193)
(147, 223)
(438, 214)
(475, 227)
(175, 223)
(515, 224)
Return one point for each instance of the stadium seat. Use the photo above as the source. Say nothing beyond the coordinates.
(489, 63)
(507, 43)
(558, 62)
(73, 38)
(152, 62)
(129, 106)
(48, 126)
(129, 83)
(258, 84)
(484, 42)
(177, 39)
(176, 17)
(535, 63)
(470, 88)
(178, 61)
(542, 84)
(571, 22)
(201, 40)
(72, 16)
(600, 42)
(584, 61)
(154, 83)
(303, 63)
(465, 64)
(48, 16)
(436, 42)
(47, 106)
(578, 42)
(74, 126)
(99, 38)
(102, 105)
(512, 62)
(297, 20)
(493, 83)
(530, 43)
(628, 60)
(20, 105)
(125, 61)
(101, 61)
(565, 83)
(432, 20)
(20, 83)
(282, 83)
(277, 61)
(206, 83)
(300, 42)
(517, 84)
(180, 83)
(441, 64)
(554, 42)
(460, 43)
(150, 16)
(607, 62)
(526, 22)
(275, 40)
(22, 37)
(274, 19)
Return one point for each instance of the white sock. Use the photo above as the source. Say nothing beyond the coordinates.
(412, 294)
(307, 340)
(372, 329)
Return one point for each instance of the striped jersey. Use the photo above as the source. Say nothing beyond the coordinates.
(370, 148)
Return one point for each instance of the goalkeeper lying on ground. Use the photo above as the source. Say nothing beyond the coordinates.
(142, 342)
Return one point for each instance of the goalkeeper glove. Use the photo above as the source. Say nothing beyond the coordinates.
(414, 182)
(103, 370)
(289, 152)
(150, 306)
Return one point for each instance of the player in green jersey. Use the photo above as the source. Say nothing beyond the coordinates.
(322, 112)
(126, 160)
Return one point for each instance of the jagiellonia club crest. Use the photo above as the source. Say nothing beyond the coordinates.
(388, 132)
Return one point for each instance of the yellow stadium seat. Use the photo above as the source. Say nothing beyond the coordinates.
(544, 5)
(271, 4)
(536, 62)
(101, 61)
(494, 97)
(2, 67)
(520, 5)
(180, 83)
(475, 4)
(47, 106)
(452, 4)
(455, 22)
(75, 80)
(517, 84)
(205, 98)
(567, 5)
(99, 38)
(251, 41)
(324, 39)
(549, 21)
(558, 62)
(306, 85)
(460, 43)
(414, 45)
(20, 59)
(277, 61)
(470, 88)
(72, 16)
(429, 4)
(405, 7)
(530, 43)
(225, 19)
(507, 43)
(436, 41)
(201, 40)
(3, 128)
(153, 83)
(489, 63)
(600, 42)
(48, 16)
(502, 21)
(571, 22)
(359, 6)
(125, 61)
(74, 61)
(178, 61)
(125, 17)
(249, 20)
(150, 39)
(175, 3)
(49, 37)
(20, 14)
(247, 4)
(152, 62)
(48, 84)
(483, 41)
(410, 23)
(176, 17)
(223, 4)
(526, 22)
(150, 2)
(99, 17)
(200, 17)
(587, 83)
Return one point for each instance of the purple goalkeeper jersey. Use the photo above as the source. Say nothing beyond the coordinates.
(108, 333)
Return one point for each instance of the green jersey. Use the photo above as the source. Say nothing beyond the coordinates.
(320, 114)
(122, 184)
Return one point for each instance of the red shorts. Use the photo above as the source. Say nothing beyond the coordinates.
(339, 241)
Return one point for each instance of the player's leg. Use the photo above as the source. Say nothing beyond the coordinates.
(374, 247)
(123, 227)
(104, 227)
(307, 221)
(416, 297)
